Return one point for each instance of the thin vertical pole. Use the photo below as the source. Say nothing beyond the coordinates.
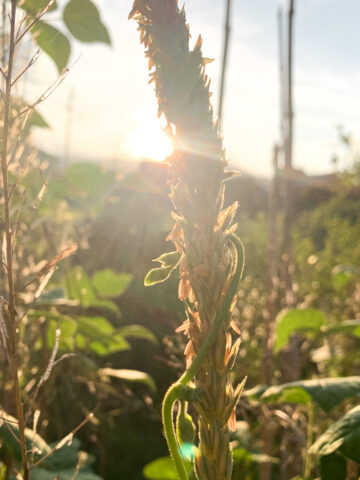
(224, 63)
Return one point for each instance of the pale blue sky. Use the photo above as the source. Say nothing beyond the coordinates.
(114, 107)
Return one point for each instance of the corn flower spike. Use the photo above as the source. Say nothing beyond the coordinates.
(202, 228)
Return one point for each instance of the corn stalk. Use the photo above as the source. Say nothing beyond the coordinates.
(208, 254)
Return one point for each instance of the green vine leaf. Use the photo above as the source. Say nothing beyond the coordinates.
(83, 20)
(53, 43)
(169, 261)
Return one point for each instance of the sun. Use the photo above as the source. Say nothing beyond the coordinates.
(148, 139)
(150, 143)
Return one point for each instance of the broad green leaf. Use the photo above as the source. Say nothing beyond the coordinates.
(255, 392)
(342, 274)
(95, 328)
(332, 467)
(104, 304)
(162, 469)
(342, 436)
(99, 348)
(79, 287)
(83, 20)
(137, 331)
(129, 375)
(297, 321)
(68, 474)
(116, 343)
(80, 341)
(326, 392)
(102, 337)
(67, 325)
(64, 458)
(68, 328)
(110, 284)
(36, 6)
(106, 346)
(288, 394)
(10, 423)
(53, 43)
(241, 454)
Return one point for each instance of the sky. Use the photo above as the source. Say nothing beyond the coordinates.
(113, 109)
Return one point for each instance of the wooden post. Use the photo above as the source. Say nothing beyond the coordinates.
(224, 63)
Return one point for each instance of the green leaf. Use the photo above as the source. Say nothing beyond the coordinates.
(64, 458)
(94, 327)
(241, 455)
(8, 423)
(296, 321)
(111, 345)
(79, 287)
(110, 284)
(53, 43)
(169, 261)
(101, 303)
(157, 275)
(82, 18)
(68, 328)
(326, 392)
(68, 474)
(129, 375)
(36, 6)
(332, 467)
(162, 469)
(35, 120)
(342, 436)
(102, 336)
(137, 331)
(351, 327)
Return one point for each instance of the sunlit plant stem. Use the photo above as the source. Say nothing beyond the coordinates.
(208, 254)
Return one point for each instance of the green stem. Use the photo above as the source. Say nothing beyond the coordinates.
(309, 441)
(172, 395)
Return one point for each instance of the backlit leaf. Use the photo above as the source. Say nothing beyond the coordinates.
(82, 18)
(110, 284)
(162, 469)
(342, 436)
(129, 375)
(137, 331)
(326, 392)
(36, 6)
(169, 261)
(297, 321)
(53, 43)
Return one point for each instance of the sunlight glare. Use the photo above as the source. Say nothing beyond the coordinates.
(150, 143)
